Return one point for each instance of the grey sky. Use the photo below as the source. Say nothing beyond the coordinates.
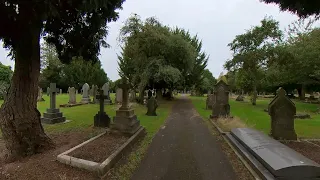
(216, 22)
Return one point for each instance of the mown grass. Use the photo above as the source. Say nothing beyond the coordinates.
(254, 116)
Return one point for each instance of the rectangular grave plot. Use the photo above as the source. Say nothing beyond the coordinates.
(282, 161)
(99, 149)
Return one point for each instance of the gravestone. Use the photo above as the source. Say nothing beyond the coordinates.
(53, 115)
(72, 95)
(209, 101)
(282, 111)
(60, 91)
(101, 119)
(48, 91)
(240, 98)
(119, 95)
(40, 98)
(152, 106)
(105, 89)
(125, 120)
(94, 90)
(85, 93)
(282, 162)
(132, 96)
(220, 107)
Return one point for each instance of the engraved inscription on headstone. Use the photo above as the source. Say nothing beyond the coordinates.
(220, 107)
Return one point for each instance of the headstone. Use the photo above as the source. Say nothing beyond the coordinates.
(40, 98)
(119, 95)
(85, 93)
(240, 98)
(282, 111)
(48, 91)
(72, 95)
(281, 161)
(105, 89)
(125, 120)
(101, 119)
(60, 91)
(132, 96)
(152, 106)
(220, 107)
(53, 115)
(209, 101)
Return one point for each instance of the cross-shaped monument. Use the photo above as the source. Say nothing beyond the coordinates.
(53, 115)
(125, 120)
(101, 119)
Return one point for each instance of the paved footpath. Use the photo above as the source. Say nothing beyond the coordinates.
(184, 149)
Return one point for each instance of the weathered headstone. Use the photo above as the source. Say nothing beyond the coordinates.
(240, 98)
(119, 95)
(209, 101)
(101, 119)
(60, 91)
(125, 120)
(53, 115)
(40, 98)
(152, 106)
(106, 93)
(132, 96)
(72, 95)
(282, 111)
(85, 93)
(220, 107)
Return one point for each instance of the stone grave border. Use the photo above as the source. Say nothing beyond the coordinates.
(100, 168)
(224, 135)
(73, 105)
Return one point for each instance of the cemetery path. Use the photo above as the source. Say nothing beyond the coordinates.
(184, 149)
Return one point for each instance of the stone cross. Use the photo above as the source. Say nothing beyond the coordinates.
(94, 90)
(220, 105)
(53, 92)
(101, 119)
(282, 111)
(125, 94)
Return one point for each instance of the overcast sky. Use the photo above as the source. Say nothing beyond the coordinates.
(216, 22)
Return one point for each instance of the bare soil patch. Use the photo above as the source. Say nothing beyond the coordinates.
(305, 148)
(101, 148)
(316, 142)
(44, 165)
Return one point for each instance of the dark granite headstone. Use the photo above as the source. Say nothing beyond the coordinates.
(220, 107)
(152, 106)
(101, 119)
(283, 162)
(53, 115)
(282, 111)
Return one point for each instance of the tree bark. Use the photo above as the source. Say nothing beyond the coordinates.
(20, 119)
(254, 96)
(302, 92)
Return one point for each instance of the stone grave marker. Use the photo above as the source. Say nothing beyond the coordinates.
(85, 93)
(101, 119)
(282, 111)
(209, 101)
(40, 93)
(119, 95)
(60, 91)
(72, 95)
(93, 91)
(132, 96)
(220, 107)
(106, 93)
(53, 115)
(125, 120)
(152, 106)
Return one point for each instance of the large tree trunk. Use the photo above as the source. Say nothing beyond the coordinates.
(20, 119)
(302, 92)
(254, 96)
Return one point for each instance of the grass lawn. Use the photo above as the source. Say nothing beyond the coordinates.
(254, 116)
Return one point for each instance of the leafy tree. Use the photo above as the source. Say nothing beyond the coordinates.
(5, 77)
(252, 50)
(76, 28)
(301, 7)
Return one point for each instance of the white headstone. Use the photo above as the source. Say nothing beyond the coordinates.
(85, 90)
(105, 89)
